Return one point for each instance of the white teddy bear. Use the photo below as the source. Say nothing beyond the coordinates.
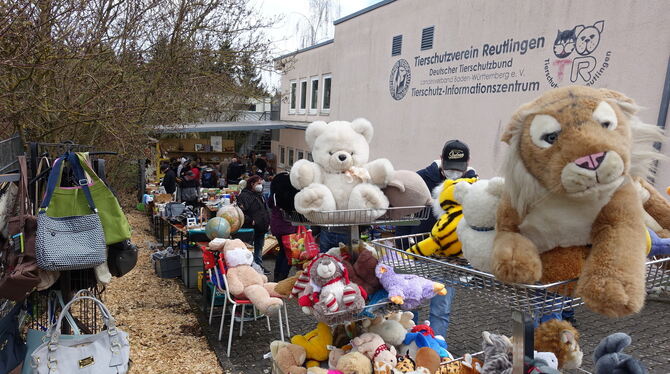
(340, 176)
(476, 230)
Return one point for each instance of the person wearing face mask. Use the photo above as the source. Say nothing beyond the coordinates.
(452, 164)
(256, 215)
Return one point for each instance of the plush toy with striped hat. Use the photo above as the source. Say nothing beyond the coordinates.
(329, 291)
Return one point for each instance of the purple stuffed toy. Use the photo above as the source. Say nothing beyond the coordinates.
(406, 289)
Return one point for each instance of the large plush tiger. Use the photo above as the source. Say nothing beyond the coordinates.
(443, 240)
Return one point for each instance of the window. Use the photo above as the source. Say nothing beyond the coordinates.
(427, 38)
(303, 96)
(290, 157)
(294, 88)
(314, 96)
(309, 157)
(301, 155)
(282, 155)
(396, 45)
(325, 101)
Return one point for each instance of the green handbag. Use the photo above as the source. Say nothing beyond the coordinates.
(71, 201)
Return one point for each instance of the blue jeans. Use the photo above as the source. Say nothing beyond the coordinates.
(440, 311)
(259, 241)
(329, 239)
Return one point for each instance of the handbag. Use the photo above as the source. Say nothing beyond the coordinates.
(71, 202)
(8, 193)
(35, 338)
(47, 278)
(12, 348)
(302, 246)
(121, 258)
(74, 242)
(105, 352)
(19, 274)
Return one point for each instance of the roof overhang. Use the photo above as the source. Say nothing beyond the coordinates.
(230, 126)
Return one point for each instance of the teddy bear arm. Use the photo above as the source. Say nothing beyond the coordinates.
(304, 173)
(381, 171)
(235, 284)
(657, 206)
(612, 281)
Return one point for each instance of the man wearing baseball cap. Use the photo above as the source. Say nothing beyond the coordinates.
(453, 164)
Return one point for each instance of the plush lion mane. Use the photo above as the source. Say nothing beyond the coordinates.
(525, 190)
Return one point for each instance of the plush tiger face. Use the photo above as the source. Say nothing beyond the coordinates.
(573, 140)
(405, 364)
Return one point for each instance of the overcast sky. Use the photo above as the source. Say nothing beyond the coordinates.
(292, 11)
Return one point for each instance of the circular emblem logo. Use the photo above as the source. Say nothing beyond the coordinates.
(399, 79)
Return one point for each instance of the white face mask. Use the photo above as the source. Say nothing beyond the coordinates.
(453, 174)
(258, 188)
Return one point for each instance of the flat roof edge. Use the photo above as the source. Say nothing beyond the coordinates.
(317, 45)
(362, 11)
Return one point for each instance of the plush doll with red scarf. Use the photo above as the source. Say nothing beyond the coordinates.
(331, 291)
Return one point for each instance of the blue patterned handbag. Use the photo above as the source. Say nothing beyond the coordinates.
(69, 243)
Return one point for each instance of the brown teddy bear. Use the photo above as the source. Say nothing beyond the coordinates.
(568, 184)
(288, 357)
(245, 282)
(561, 339)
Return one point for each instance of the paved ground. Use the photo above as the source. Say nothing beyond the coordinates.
(472, 314)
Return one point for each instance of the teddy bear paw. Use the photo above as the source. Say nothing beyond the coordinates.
(516, 260)
(397, 300)
(611, 296)
(439, 289)
(314, 198)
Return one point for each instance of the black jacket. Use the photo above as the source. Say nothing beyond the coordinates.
(255, 211)
(170, 181)
(234, 172)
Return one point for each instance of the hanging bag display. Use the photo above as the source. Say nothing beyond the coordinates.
(121, 258)
(12, 348)
(19, 274)
(74, 202)
(302, 245)
(47, 278)
(105, 352)
(73, 242)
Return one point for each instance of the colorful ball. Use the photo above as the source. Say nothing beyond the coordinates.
(217, 227)
(233, 214)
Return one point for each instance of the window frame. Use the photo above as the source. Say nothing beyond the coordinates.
(293, 95)
(313, 110)
(300, 154)
(291, 157)
(303, 96)
(323, 93)
(282, 155)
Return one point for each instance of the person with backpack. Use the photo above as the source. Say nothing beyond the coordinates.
(189, 183)
(281, 198)
(169, 179)
(256, 215)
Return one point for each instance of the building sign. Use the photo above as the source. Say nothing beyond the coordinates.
(500, 66)
(577, 54)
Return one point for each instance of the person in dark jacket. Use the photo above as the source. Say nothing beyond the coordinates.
(169, 180)
(282, 194)
(256, 214)
(189, 182)
(453, 164)
(235, 171)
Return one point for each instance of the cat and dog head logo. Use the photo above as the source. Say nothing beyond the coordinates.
(575, 49)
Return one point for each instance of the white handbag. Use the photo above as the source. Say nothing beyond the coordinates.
(107, 352)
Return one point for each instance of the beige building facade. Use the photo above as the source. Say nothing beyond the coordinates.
(425, 71)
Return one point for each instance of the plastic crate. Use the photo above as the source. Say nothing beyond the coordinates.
(168, 267)
(191, 266)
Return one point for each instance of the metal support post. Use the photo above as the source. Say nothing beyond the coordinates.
(523, 333)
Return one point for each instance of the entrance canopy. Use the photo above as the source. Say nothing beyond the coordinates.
(231, 126)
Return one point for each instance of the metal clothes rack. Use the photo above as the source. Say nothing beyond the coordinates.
(86, 313)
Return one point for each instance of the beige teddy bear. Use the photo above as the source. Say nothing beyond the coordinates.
(245, 282)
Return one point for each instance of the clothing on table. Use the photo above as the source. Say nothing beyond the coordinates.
(169, 181)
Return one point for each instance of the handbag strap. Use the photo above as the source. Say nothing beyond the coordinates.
(53, 334)
(54, 296)
(79, 175)
(23, 190)
(40, 166)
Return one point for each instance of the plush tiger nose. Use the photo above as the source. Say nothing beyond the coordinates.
(591, 162)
